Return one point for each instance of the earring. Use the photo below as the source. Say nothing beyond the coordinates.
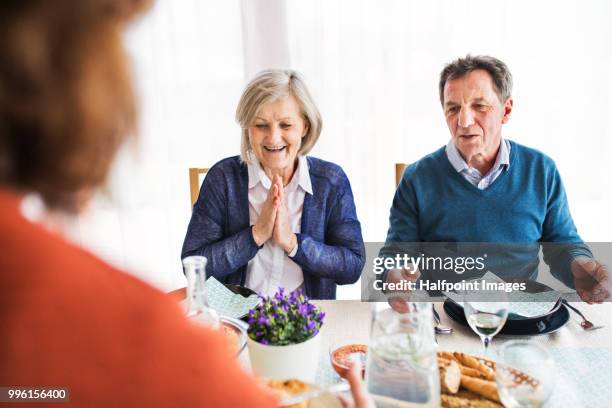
(250, 155)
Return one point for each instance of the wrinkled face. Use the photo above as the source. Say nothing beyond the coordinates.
(474, 115)
(276, 135)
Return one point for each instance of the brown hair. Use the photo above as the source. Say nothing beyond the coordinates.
(66, 99)
(500, 74)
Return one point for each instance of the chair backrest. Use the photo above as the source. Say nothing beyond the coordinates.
(194, 182)
(399, 171)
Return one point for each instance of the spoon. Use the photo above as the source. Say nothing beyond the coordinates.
(439, 328)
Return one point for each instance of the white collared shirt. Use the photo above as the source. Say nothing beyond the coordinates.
(473, 175)
(271, 268)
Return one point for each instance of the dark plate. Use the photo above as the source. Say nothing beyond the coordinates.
(531, 286)
(240, 290)
(548, 323)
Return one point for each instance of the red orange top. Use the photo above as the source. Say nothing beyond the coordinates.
(68, 319)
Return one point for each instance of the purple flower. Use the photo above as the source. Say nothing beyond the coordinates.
(280, 294)
(284, 319)
(303, 310)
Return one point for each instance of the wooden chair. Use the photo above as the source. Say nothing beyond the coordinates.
(194, 182)
(399, 171)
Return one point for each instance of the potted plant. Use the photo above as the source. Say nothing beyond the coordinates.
(283, 336)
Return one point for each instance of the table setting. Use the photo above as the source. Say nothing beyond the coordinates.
(581, 357)
(460, 352)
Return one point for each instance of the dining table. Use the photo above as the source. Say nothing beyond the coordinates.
(583, 358)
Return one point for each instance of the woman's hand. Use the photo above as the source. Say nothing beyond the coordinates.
(282, 234)
(264, 226)
(359, 392)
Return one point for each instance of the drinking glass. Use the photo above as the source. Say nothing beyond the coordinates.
(525, 374)
(401, 362)
(486, 313)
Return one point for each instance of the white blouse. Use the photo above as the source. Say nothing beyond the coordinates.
(271, 268)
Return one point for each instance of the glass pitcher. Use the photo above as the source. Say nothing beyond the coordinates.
(401, 362)
(197, 302)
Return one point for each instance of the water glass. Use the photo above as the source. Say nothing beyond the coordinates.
(525, 374)
(401, 360)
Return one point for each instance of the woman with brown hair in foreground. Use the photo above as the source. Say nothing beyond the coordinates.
(67, 318)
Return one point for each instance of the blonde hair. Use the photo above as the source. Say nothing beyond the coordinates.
(269, 86)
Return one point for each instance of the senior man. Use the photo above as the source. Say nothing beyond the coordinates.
(482, 188)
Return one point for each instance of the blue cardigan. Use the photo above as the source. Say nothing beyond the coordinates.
(330, 245)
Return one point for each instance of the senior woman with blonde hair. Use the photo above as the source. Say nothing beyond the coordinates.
(273, 217)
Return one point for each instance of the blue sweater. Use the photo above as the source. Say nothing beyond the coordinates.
(330, 245)
(526, 205)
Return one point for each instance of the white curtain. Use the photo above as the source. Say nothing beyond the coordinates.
(264, 33)
(373, 67)
(188, 68)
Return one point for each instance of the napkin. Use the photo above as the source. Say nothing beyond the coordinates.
(522, 304)
(226, 302)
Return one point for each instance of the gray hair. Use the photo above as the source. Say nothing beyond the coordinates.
(502, 78)
(269, 86)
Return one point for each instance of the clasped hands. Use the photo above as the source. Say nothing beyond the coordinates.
(273, 221)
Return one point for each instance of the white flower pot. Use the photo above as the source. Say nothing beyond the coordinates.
(283, 362)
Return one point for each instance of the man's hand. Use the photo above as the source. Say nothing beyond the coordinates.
(359, 392)
(264, 226)
(398, 299)
(591, 280)
(282, 234)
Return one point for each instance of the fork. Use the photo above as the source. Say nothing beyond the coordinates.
(585, 323)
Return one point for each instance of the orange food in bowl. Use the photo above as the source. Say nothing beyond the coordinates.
(341, 358)
(233, 337)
